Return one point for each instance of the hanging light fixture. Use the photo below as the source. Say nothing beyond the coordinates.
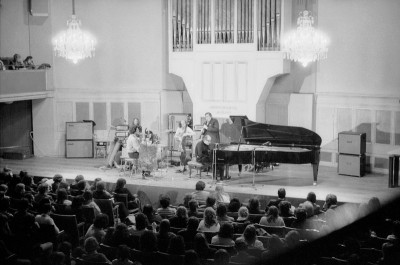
(305, 44)
(74, 44)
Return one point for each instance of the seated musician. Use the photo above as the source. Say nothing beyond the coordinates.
(184, 136)
(133, 142)
(203, 154)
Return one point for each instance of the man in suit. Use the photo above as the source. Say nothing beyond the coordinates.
(211, 128)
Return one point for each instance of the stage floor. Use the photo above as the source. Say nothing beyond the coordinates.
(296, 179)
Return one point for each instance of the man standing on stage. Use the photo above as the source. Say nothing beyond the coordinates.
(211, 128)
(133, 142)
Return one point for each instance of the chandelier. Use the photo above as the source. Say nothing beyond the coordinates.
(305, 44)
(74, 44)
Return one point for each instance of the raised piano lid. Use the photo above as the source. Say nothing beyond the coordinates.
(261, 133)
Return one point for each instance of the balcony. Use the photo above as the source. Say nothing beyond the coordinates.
(24, 85)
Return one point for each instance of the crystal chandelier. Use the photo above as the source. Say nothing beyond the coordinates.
(305, 44)
(74, 44)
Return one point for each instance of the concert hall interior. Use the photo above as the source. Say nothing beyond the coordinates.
(218, 100)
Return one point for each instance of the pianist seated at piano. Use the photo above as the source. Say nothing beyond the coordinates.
(203, 154)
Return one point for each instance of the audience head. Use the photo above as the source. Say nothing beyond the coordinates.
(281, 193)
(176, 246)
(165, 226)
(181, 212)
(77, 202)
(272, 213)
(241, 245)
(27, 180)
(193, 224)
(191, 258)
(250, 234)
(301, 214)
(210, 217)
(79, 178)
(221, 210)
(188, 197)
(121, 231)
(284, 208)
(219, 188)
(221, 257)
(330, 200)
(121, 182)
(57, 178)
(141, 222)
(100, 186)
(226, 230)
(101, 221)
(254, 205)
(88, 196)
(234, 205)
(292, 239)
(91, 244)
(200, 185)
(200, 243)
(17, 58)
(307, 205)
(82, 185)
(123, 253)
(210, 201)
(19, 189)
(165, 200)
(243, 213)
(374, 204)
(193, 205)
(43, 188)
(311, 197)
(148, 241)
(148, 210)
(62, 195)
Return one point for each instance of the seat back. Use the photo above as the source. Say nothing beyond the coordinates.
(277, 230)
(108, 251)
(232, 214)
(209, 235)
(80, 261)
(106, 207)
(69, 224)
(230, 249)
(255, 218)
(88, 214)
(149, 258)
(239, 227)
(47, 234)
(167, 259)
(119, 197)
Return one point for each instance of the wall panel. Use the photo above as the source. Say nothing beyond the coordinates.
(207, 81)
(82, 111)
(218, 82)
(241, 80)
(364, 122)
(383, 126)
(133, 111)
(64, 113)
(100, 115)
(231, 93)
(117, 113)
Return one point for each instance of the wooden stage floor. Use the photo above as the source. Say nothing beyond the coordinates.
(296, 179)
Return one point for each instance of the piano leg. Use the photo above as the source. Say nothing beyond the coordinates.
(315, 172)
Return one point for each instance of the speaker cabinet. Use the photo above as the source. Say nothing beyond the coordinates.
(79, 131)
(352, 143)
(351, 165)
(79, 149)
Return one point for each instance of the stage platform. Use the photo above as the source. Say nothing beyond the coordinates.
(296, 179)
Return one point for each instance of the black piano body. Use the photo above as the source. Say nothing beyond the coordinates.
(259, 142)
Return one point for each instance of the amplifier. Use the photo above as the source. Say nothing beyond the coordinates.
(120, 134)
(352, 165)
(79, 148)
(352, 143)
(122, 128)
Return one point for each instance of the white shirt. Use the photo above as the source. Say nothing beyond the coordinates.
(132, 144)
(181, 132)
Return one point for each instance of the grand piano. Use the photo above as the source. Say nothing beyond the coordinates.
(255, 143)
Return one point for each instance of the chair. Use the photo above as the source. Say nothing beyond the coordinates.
(331, 261)
(288, 220)
(209, 235)
(277, 230)
(126, 162)
(239, 227)
(149, 258)
(108, 251)
(119, 197)
(48, 234)
(264, 240)
(230, 249)
(255, 218)
(370, 255)
(167, 259)
(88, 215)
(68, 223)
(196, 165)
(106, 207)
(79, 261)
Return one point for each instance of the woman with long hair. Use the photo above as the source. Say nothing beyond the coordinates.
(209, 222)
(133, 202)
(272, 218)
(184, 136)
(200, 245)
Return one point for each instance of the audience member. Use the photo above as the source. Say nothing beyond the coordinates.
(141, 224)
(243, 215)
(200, 245)
(221, 214)
(234, 205)
(57, 179)
(180, 219)
(2, 66)
(311, 197)
(148, 242)
(275, 247)
(28, 63)
(74, 185)
(176, 246)
(186, 199)
(164, 235)
(220, 195)
(200, 195)
(191, 258)
(133, 202)
(88, 196)
(209, 222)
(120, 236)
(100, 192)
(189, 233)
(285, 209)
(16, 63)
(165, 211)
(210, 202)
(254, 206)
(123, 255)
(243, 256)
(97, 229)
(221, 257)
(91, 246)
(330, 202)
(43, 218)
(224, 236)
(94, 184)
(193, 209)
(250, 238)
(151, 215)
(272, 218)
(62, 197)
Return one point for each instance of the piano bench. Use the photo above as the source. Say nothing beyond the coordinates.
(197, 166)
